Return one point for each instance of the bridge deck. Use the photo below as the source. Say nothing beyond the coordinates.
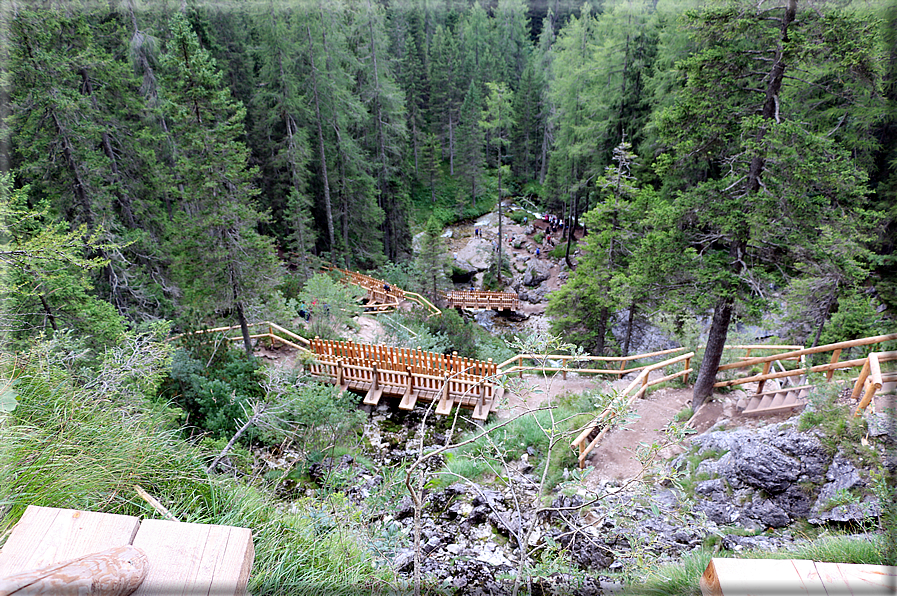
(483, 300)
(410, 375)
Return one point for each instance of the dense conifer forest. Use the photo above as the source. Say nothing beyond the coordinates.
(211, 155)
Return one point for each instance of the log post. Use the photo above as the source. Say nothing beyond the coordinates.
(117, 571)
(835, 356)
(861, 380)
(761, 382)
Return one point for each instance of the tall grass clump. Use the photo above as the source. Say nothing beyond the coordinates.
(78, 445)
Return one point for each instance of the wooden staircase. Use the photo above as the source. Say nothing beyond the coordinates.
(786, 399)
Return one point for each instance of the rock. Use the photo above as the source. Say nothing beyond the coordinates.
(405, 508)
(712, 488)
(404, 561)
(488, 497)
(794, 501)
(721, 513)
(536, 273)
(808, 449)
(882, 427)
(763, 466)
(769, 514)
(448, 234)
(843, 481)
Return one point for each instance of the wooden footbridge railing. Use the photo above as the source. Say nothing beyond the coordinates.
(382, 296)
(593, 432)
(482, 300)
(871, 386)
(275, 334)
(542, 363)
(412, 375)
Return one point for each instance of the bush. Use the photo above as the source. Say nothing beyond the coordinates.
(518, 215)
(212, 391)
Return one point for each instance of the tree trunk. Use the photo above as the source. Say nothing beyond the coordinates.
(629, 323)
(713, 353)
(324, 180)
(601, 329)
(832, 299)
(451, 146)
(49, 312)
(244, 328)
(499, 218)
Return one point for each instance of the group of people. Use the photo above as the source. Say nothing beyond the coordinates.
(554, 222)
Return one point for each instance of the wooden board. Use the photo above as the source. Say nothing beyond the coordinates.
(47, 535)
(762, 577)
(195, 559)
(857, 580)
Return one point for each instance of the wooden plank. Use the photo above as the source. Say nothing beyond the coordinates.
(857, 580)
(195, 559)
(46, 535)
(752, 577)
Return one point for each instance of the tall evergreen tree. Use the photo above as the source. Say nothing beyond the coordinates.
(222, 263)
(471, 142)
(763, 175)
(446, 80)
(498, 120)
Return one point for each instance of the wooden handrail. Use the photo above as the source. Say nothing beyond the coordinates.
(641, 382)
(271, 325)
(826, 348)
(870, 379)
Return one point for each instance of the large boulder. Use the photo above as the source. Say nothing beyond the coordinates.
(536, 272)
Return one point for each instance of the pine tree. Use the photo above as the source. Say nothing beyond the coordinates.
(498, 120)
(445, 77)
(431, 259)
(761, 175)
(471, 142)
(222, 262)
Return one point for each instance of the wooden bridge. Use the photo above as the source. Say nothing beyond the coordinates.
(407, 374)
(482, 300)
(382, 296)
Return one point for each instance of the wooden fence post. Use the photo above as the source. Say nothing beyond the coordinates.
(835, 356)
(760, 383)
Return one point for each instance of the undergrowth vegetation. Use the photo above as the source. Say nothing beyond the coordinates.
(76, 445)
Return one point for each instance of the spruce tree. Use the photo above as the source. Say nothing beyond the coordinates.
(221, 261)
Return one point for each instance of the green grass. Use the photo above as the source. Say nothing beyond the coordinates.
(528, 434)
(65, 446)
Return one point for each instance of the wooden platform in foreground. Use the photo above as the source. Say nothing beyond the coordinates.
(184, 559)
(768, 577)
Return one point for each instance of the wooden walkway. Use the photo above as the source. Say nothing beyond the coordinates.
(411, 375)
(482, 300)
(381, 296)
(748, 577)
(182, 559)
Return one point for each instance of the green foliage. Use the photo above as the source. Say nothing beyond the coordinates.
(542, 433)
(518, 215)
(333, 305)
(855, 318)
(214, 392)
(65, 447)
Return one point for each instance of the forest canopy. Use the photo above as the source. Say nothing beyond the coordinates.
(198, 161)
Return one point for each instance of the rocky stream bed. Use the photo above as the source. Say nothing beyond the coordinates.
(738, 489)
